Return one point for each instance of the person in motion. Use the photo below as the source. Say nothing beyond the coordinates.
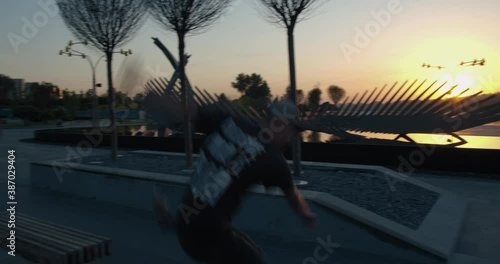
(235, 155)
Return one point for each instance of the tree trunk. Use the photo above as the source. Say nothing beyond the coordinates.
(188, 143)
(94, 100)
(296, 150)
(111, 102)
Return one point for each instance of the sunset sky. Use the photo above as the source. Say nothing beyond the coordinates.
(439, 32)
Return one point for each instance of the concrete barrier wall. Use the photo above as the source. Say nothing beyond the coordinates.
(443, 158)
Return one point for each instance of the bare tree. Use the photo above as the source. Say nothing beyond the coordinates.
(107, 25)
(287, 13)
(336, 93)
(186, 17)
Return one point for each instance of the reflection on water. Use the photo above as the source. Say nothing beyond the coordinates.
(484, 137)
(476, 141)
(144, 130)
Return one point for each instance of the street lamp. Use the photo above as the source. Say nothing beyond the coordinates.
(93, 66)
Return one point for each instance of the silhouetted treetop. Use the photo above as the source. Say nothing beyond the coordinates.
(253, 86)
(336, 93)
(187, 16)
(314, 98)
(287, 13)
(107, 24)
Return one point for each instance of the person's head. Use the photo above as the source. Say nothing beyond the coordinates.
(283, 123)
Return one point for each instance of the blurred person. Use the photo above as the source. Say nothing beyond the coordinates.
(235, 155)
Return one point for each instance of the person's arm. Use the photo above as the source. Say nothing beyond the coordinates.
(293, 195)
(299, 205)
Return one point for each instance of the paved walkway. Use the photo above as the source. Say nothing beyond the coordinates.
(28, 152)
(480, 238)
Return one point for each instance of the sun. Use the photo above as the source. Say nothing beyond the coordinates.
(465, 84)
(464, 80)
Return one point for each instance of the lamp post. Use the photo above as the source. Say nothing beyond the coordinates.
(93, 66)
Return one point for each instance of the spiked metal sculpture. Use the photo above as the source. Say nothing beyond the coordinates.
(409, 110)
(418, 108)
(405, 111)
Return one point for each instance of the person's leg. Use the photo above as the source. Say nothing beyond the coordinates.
(239, 248)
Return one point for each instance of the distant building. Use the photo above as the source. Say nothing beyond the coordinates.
(19, 86)
(28, 87)
(10, 94)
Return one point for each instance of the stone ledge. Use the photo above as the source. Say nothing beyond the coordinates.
(437, 235)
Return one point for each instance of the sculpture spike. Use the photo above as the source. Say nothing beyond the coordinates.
(420, 106)
(350, 105)
(157, 86)
(373, 103)
(355, 109)
(365, 104)
(376, 111)
(429, 108)
(415, 101)
(407, 102)
(342, 106)
(394, 108)
(389, 103)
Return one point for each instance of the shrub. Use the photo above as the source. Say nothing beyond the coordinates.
(60, 113)
(46, 115)
(26, 112)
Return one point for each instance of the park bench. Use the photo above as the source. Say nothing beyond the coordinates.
(43, 242)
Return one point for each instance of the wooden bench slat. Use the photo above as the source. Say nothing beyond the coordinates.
(29, 236)
(50, 243)
(52, 232)
(38, 252)
(61, 230)
(22, 217)
(103, 246)
(34, 234)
